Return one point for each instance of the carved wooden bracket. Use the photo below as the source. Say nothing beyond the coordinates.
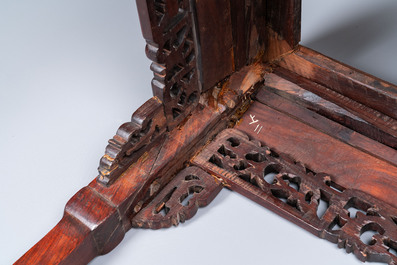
(179, 200)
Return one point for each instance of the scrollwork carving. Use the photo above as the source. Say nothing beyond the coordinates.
(147, 123)
(179, 200)
(171, 46)
(310, 199)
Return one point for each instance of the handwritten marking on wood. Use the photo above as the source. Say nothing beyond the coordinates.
(258, 127)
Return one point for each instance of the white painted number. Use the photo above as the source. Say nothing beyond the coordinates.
(258, 127)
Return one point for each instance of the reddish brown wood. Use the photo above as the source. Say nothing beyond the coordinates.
(239, 21)
(216, 40)
(328, 127)
(179, 200)
(208, 63)
(147, 124)
(284, 18)
(155, 168)
(294, 191)
(239, 32)
(93, 212)
(68, 243)
(99, 215)
(236, 33)
(385, 124)
(223, 36)
(345, 80)
(322, 153)
(170, 151)
(169, 30)
(283, 22)
(297, 89)
(232, 35)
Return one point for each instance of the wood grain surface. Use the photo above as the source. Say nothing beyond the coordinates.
(327, 126)
(103, 213)
(324, 132)
(308, 94)
(343, 79)
(319, 152)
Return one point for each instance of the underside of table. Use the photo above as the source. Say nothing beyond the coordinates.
(239, 104)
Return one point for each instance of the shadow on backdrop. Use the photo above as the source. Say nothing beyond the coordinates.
(351, 40)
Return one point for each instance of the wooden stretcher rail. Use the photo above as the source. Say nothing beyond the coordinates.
(320, 152)
(327, 126)
(357, 86)
(315, 97)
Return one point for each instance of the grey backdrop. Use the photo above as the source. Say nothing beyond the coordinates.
(72, 71)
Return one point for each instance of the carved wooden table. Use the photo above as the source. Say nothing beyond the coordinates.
(304, 139)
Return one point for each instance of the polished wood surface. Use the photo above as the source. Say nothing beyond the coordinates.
(103, 212)
(324, 129)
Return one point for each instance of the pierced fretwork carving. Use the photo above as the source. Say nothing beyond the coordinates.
(146, 124)
(169, 33)
(311, 200)
(179, 200)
